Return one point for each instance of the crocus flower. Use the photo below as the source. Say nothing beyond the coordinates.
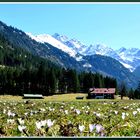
(98, 114)
(99, 128)
(21, 128)
(42, 109)
(26, 113)
(10, 120)
(77, 111)
(21, 121)
(71, 107)
(123, 115)
(66, 112)
(87, 111)
(116, 112)
(127, 114)
(138, 109)
(50, 123)
(81, 128)
(91, 127)
(4, 111)
(134, 113)
(10, 113)
(43, 122)
(38, 124)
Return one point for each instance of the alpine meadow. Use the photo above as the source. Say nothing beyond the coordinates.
(58, 86)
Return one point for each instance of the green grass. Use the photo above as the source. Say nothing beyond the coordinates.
(63, 110)
(66, 119)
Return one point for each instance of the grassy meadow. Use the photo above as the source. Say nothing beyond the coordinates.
(63, 115)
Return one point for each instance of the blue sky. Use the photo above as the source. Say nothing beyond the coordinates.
(115, 25)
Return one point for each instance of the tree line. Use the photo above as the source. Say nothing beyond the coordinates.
(130, 93)
(49, 81)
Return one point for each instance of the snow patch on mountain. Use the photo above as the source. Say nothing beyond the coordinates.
(87, 65)
(46, 38)
(34, 37)
(128, 66)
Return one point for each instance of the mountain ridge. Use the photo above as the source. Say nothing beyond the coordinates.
(124, 56)
(91, 63)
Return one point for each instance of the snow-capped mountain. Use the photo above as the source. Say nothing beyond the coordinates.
(74, 44)
(46, 38)
(130, 58)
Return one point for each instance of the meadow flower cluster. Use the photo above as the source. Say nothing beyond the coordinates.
(86, 118)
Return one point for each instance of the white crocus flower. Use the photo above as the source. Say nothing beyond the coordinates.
(21, 121)
(127, 114)
(43, 122)
(98, 114)
(66, 112)
(10, 120)
(123, 115)
(87, 111)
(38, 125)
(71, 107)
(26, 113)
(99, 128)
(31, 113)
(88, 107)
(83, 107)
(91, 127)
(134, 113)
(77, 111)
(138, 109)
(4, 111)
(42, 109)
(13, 114)
(21, 128)
(116, 112)
(9, 113)
(81, 128)
(50, 123)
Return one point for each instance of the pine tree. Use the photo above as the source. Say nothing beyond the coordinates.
(131, 94)
(52, 81)
(123, 91)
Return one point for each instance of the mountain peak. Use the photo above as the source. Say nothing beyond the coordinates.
(122, 49)
(59, 37)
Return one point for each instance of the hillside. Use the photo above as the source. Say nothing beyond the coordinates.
(56, 54)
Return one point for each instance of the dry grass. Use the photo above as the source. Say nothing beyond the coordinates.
(10, 97)
(62, 97)
(65, 97)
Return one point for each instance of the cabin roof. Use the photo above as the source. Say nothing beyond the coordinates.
(102, 90)
(33, 95)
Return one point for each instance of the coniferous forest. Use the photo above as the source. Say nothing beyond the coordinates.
(22, 72)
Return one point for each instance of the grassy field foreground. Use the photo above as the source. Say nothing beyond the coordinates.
(54, 116)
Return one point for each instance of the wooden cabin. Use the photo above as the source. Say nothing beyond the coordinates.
(101, 93)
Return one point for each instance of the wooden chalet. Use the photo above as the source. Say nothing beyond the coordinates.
(101, 93)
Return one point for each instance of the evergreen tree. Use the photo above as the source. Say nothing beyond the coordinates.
(137, 92)
(97, 81)
(52, 81)
(123, 91)
(88, 81)
(131, 94)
